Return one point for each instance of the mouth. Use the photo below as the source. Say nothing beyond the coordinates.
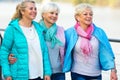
(53, 19)
(88, 20)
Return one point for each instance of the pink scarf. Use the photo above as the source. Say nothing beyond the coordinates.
(85, 46)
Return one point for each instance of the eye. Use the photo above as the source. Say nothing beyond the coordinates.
(35, 8)
(51, 12)
(32, 8)
(85, 14)
(91, 14)
(56, 14)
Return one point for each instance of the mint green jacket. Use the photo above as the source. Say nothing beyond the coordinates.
(15, 42)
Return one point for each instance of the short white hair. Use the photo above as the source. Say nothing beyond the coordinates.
(81, 7)
(49, 7)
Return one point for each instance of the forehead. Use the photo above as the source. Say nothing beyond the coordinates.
(52, 10)
(29, 4)
(87, 10)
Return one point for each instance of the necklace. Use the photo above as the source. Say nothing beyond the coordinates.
(25, 23)
(29, 32)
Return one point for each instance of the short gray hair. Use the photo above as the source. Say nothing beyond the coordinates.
(48, 7)
(81, 7)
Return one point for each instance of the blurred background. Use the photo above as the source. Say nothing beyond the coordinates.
(106, 15)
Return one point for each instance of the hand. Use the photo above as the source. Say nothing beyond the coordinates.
(113, 75)
(8, 78)
(11, 59)
(47, 78)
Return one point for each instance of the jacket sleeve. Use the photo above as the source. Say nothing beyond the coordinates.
(5, 49)
(106, 54)
(67, 58)
(46, 60)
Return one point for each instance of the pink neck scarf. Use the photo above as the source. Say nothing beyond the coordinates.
(85, 45)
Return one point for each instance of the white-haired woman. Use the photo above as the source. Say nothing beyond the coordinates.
(88, 50)
(54, 37)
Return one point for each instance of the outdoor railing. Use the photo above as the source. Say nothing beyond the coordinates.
(114, 40)
(2, 29)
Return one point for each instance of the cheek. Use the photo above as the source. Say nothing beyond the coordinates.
(56, 17)
(35, 12)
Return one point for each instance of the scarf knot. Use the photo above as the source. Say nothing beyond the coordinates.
(50, 34)
(85, 44)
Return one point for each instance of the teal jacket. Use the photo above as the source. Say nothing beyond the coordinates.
(106, 56)
(15, 42)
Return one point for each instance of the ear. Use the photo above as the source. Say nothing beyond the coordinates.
(77, 18)
(22, 12)
(43, 15)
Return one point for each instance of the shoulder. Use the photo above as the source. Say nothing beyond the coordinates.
(9, 29)
(98, 30)
(100, 34)
(70, 30)
(35, 23)
(60, 28)
(13, 24)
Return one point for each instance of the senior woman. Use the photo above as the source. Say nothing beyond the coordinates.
(88, 50)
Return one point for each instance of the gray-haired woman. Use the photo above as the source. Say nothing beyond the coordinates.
(54, 37)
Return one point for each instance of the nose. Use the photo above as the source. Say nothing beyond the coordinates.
(54, 15)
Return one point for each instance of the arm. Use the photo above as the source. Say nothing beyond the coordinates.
(47, 78)
(106, 50)
(46, 61)
(11, 58)
(45, 55)
(113, 75)
(8, 78)
(5, 49)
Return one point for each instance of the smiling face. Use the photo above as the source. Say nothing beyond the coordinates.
(49, 13)
(85, 17)
(50, 17)
(30, 11)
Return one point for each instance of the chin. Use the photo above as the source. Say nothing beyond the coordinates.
(89, 23)
(32, 18)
